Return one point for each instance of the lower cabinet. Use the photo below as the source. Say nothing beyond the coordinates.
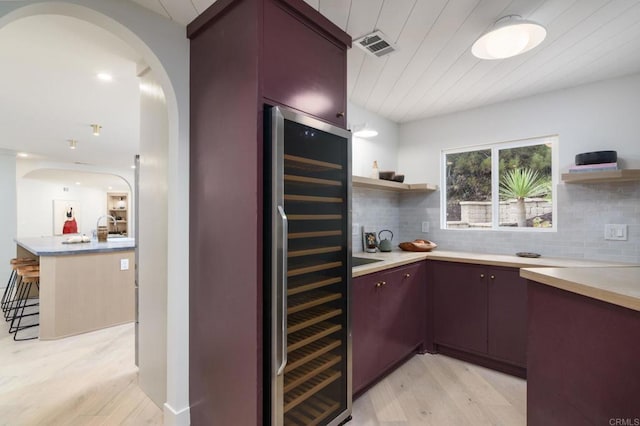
(480, 311)
(388, 320)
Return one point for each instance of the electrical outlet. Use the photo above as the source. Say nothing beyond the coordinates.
(355, 229)
(615, 232)
(124, 264)
(425, 227)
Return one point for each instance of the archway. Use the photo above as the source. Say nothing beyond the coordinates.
(164, 48)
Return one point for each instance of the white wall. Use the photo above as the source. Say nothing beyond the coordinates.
(34, 199)
(599, 116)
(382, 148)
(35, 206)
(7, 213)
(164, 46)
(152, 241)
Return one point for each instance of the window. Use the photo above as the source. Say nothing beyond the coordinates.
(506, 186)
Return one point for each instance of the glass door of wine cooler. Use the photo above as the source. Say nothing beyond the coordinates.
(310, 271)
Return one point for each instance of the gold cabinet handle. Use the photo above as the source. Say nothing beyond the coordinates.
(407, 275)
(380, 284)
(481, 275)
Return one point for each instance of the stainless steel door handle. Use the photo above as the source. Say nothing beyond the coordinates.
(282, 282)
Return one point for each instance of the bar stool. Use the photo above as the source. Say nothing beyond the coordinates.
(29, 276)
(9, 291)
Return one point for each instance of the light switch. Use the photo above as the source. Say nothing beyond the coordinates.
(615, 232)
(425, 227)
(124, 264)
(355, 229)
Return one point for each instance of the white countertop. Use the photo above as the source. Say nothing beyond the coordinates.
(53, 246)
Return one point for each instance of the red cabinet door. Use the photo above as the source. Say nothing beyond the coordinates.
(460, 306)
(364, 330)
(402, 306)
(387, 320)
(507, 316)
(305, 70)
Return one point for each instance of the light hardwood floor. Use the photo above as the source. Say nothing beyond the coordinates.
(88, 379)
(438, 390)
(91, 379)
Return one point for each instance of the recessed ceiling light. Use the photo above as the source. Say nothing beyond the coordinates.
(110, 187)
(510, 36)
(95, 128)
(104, 76)
(22, 155)
(133, 167)
(77, 183)
(73, 144)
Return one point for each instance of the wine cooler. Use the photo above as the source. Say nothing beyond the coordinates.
(307, 270)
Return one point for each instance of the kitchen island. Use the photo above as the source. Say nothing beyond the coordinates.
(583, 345)
(84, 286)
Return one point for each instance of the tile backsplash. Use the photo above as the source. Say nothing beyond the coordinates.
(583, 211)
(375, 210)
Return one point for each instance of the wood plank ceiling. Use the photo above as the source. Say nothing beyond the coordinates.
(433, 71)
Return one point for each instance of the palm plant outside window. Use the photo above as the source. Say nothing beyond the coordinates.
(507, 186)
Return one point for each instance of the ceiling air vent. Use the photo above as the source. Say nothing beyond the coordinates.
(376, 44)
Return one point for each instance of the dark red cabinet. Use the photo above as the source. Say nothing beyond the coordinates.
(460, 306)
(307, 72)
(243, 56)
(387, 320)
(507, 316)
(480, 313)
(365, 332)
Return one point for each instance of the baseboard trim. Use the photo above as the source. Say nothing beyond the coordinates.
(174, 417)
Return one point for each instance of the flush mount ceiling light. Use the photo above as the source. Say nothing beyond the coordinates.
(96, 129)
(73, 144)
(364, 131)
(104, 76)
(510, 36)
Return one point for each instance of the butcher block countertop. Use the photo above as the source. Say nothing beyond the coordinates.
(613, 282)
(617, 285)
(389, 260)
(399, 258)
(512, 261)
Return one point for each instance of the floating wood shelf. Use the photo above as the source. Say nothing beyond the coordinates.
(387, 185)
(602, 177)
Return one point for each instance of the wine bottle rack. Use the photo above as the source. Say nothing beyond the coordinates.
(309, 370)
(311, 352)
(312, 412)
(314, 200)
(311, 284)
(309, 317)
(310, 335)
(309, 388)
(306, 301)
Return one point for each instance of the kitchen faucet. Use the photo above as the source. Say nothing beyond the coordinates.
(115, 224)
